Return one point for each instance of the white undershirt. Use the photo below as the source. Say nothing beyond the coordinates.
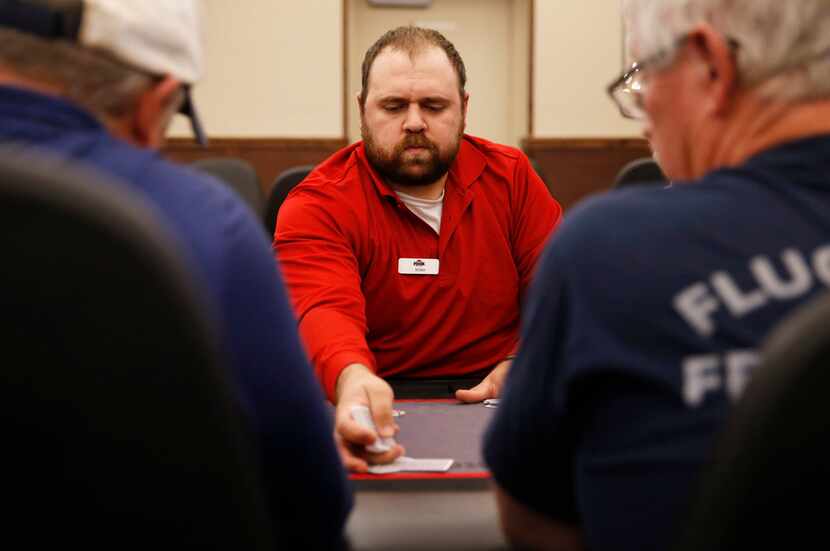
(428, 210)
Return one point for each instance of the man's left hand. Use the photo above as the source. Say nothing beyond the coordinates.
(490, 387)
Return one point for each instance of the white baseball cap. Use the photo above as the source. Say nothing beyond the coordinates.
(160, 37)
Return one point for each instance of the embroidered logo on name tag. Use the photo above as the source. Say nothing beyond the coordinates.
(418, 266)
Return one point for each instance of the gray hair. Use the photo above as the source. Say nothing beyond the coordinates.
(102, 85)
(784, 45)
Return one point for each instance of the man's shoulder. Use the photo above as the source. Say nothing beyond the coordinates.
(496, 162)
(607, 228)
(143, 168)
(187, 177)
(179, 184)
(488, 147)
(200, 206)
(335, 183)
(654, 233)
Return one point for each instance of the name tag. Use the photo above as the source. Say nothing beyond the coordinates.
(418, 266)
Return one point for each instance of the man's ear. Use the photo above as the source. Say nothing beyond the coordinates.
(154, 110)
(721, 72)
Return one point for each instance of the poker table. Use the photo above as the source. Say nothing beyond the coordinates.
(447, 510)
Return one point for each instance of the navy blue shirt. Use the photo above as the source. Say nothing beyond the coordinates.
(642, 327)
(228, 249)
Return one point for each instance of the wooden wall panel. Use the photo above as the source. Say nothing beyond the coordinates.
(576, 168)
(269, 156)
(572, 168)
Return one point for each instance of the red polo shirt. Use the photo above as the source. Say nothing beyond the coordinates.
(341, 232)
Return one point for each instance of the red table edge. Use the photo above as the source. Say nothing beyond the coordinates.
(422, 476)
(419, 476)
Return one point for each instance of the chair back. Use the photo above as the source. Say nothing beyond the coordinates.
(121, 429)
(240, 175)
(639, 172)
(537, 168)
(285, 182)
(771, 471)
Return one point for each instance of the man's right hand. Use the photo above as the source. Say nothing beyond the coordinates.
(357, 385)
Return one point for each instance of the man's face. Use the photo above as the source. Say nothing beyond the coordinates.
(661, 126)
(413, 117)
(673, 124)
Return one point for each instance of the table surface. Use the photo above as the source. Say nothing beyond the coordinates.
(453, 510)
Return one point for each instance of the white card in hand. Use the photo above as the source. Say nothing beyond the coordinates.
(362, 415)
(410, 464)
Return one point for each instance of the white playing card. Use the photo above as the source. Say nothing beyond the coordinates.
(362, 415)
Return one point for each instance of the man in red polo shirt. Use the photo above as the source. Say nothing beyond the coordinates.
(408, 254)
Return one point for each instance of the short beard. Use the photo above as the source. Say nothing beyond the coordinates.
(392, 167)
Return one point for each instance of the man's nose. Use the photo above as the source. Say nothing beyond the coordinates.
(414, 122)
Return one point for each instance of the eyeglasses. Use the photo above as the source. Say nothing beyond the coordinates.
(627, 93)
(627, 90)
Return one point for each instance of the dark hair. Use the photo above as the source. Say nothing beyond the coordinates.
(412, 40)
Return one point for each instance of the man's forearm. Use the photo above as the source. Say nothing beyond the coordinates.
(333, 341)
(350, 371)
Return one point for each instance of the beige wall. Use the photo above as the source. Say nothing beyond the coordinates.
(274, 69)
(497, 68)
(578, 51)
(520, 70)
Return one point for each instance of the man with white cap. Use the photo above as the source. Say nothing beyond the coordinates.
(96, 83)
(649, 305)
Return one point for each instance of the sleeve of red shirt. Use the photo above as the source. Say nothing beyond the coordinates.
(321, 272)
(535, 215)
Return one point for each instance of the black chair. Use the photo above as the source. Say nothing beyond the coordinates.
(120, 428)
(640, 172)
(239, 175)
(537, 168)
(285, 182)
(770, 477)
(444, 388)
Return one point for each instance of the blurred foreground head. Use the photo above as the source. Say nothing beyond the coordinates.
(716, 81)
(131, 64)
